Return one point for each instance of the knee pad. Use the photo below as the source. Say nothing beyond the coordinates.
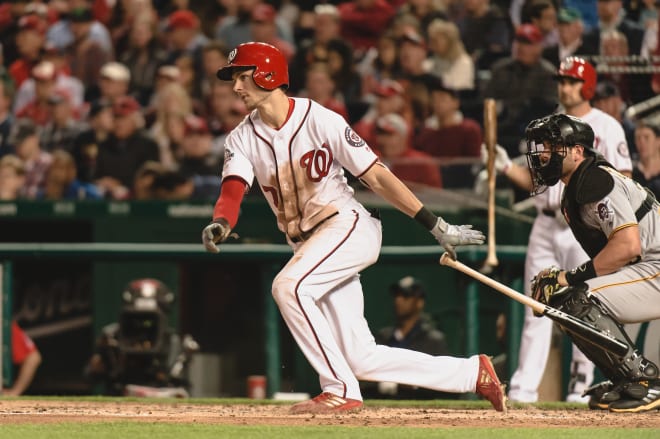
(630, 367)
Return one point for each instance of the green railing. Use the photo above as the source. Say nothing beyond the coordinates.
(270, 258)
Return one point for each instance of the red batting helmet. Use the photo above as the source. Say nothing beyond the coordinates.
(577, 68)
(270, 66)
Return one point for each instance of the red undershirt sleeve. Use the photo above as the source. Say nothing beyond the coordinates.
(229, 201)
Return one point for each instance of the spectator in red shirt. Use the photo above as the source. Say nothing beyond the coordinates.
(26, 357)
(30, 40)
(411, 166)
(38, 109)
(363, 22)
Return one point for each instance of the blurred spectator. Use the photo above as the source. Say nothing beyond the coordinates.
(86, 55)
(174, 185)
(570, 29)
(363, 22)
(263, 28)
(196, 156)
(38, 108)
(86, 144)
(214, 56)
(321, 88)
(325, 28)
(166, 75)
(174, 104)
(124, 151)
(12, 177)
(144, 179)
(449, 60)
(184, 37)
(30, 40)
(424, 11)
(127, 14)
(61, 181)
(63, 127)
(648, 15)
(346, 77)
(543, 14)
(10, 12)
(188, 77)
(235, 29)
(413, 329)
(413, 54)
(446, 132)
(380, 63)
(390, 98)
(25, 138)
(607, 98)
(523, 86)
(6, 118)
(647, 169)
(26, 357)
(61, 33)
(393, 145)
(485, 31)
(612, 16)
(114, 81)
(143, 55)
(236, 115)
(219, 105)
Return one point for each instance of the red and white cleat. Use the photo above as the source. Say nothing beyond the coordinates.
(489, 386)
(326, 402)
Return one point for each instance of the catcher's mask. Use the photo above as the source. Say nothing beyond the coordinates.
(548, 139)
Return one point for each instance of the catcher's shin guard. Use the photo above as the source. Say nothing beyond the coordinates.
(630, 367)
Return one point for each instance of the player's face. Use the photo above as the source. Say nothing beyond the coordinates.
(247, 90)
(569, 92)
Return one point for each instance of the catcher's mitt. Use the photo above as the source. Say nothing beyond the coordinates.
(544, 285)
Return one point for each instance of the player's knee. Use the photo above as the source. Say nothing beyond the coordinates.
(283, 289)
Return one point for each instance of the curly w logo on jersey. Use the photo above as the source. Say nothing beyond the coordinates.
(317, 163)
(353, 138)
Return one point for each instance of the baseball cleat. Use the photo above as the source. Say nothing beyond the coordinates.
(489, 386)
(327, 402)
(650, 401)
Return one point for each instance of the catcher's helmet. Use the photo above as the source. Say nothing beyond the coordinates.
(558, 131)
(147, 295)
(270, 66)
(577, 68)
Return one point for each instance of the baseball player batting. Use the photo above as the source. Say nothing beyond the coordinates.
(551, 241)
(297, 149)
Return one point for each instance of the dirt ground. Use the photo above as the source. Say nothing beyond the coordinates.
(40, 411)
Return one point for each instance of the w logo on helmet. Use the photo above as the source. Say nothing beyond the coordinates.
(232, 55)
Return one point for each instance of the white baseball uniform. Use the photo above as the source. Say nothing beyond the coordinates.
(551, 242)
(300, 170)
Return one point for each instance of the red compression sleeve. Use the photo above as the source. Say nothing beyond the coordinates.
(229, 201)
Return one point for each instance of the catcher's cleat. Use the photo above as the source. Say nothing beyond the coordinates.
(489, 386)
(327, 402)
(650, 401)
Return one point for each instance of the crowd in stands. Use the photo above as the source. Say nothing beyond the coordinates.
(118, 99)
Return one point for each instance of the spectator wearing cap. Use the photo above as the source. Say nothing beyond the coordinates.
(124, 151)
(570, 29)
(612, 16)
(447, 134)
(115, 81)
(523, 86)
(63, 127)
(321, 88)
(86, 55)
(607, 98)
(235, 29)
(25, 140)
(6, 117)
(413, 329)
(143, 56)
(263, 28)
(413, 167)
(86, 144)
(647, 168)
(38, 109)
(449, 60)
(323, 25)
(61, 34)
(30, 40)
(389, 98)
(363, 22)
(12, 177)
(413, 54)
(197, 157)
(485, 31)
(61, 182)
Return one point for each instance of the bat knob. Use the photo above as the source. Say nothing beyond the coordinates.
(444, 258)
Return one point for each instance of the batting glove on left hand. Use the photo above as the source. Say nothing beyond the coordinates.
(449, 236)
(215, 233)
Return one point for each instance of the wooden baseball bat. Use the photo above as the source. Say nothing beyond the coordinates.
(490, 138)
(576, 326)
